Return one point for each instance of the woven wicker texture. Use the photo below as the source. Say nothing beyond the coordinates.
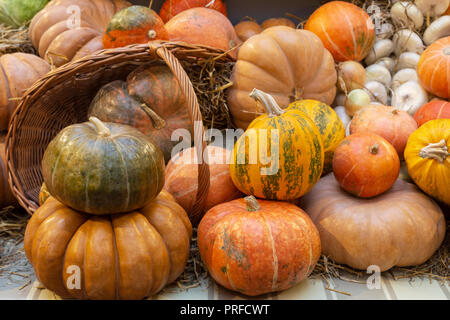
(62, 98)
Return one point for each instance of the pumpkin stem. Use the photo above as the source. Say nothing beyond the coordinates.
(102, 130)
(437, 151)
(252, 203)
(158, 122)
(151, 34)
(374, 149)
(270, 105)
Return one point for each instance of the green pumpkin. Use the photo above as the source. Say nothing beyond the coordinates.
(103, 168)
(15, 13)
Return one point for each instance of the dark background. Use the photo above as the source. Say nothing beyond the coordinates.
(257, 9)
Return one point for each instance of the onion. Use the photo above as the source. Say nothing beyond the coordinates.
(351, 76)
(409, 97)
(378, 73)
(356, 100)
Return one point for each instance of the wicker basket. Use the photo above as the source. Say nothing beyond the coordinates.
(62, 98)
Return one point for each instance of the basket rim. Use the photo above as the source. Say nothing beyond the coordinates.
(105, 57)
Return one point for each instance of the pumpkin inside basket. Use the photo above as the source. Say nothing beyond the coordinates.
(63, 96)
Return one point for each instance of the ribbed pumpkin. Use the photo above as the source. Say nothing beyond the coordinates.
(122, 256)
(103, 168)
(432, 68)
(436, 109)
(280, 156)
(182, 178)
(58, 38)
(402, 227)
(6, 196)
(206, 27)
(256, 247)
(171, 8)
(365, 164)
(288, 64)
(18, 73)
(428, 159)
(143, 102)
(330, 126)
(390, 123)
(345, 29)
(15, 13)
(135, 24)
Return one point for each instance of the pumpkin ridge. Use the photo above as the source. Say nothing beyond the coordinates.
(116, 257)
(274, 254)
(8, 89)
(125, 168)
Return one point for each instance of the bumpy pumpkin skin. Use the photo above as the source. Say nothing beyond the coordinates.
(256, 252)
(392, 124)
(15, 13)
(432, 68)
(135, 24)
(297, 163)
(402, 227)
(182, 178)
(436, 109)
(345, 29)
(288, 64)
(18, 73)
(171, 8)
(330, 126)
(124, 256)
(366, 165)
(59, 40)
(121, 102)
(206, 27)
(103, 173)
(432, 175)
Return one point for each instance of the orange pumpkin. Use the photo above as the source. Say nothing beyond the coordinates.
(204, 26)
(135, 24)
(246, 29)
(365, 165)
(182, 178)
(436, 109)
(345, 29)
(390, 123)
(171, 8)
(258, 246)
(273, 22)
(432, 68)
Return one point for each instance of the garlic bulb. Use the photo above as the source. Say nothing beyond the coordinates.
(406, 14)
(432, 8)
(409, 97)
(407, 60)
(440, 28)
(377, 92)
(407, 40)
(382, 48)
(377, 72)
(403, 76)
(387, 62)
(351, 76)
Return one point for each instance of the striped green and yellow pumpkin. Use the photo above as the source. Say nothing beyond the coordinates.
(280, 156)
(331, 128)
(103, 168)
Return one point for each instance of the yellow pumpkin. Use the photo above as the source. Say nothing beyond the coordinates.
(331, 128)
(280, 155)
(428, 159)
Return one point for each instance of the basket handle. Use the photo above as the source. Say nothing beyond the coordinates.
(195, 116)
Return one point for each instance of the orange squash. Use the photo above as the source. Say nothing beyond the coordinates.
(436, 109)
(432, 68)
(365, 165)
(135, 24)
(258, 246)
(171, 8)
(204, 26)
(390, 123)
(345, 29)
(246, 29)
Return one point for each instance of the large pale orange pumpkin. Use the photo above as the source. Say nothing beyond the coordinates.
(433, 68)
(182, 178)
(390, 123)
(402, 227)
(70, 29)
(258, 246)
(122, 256)
(436, 109)
(288, 64)
(345, 29)
(171, 8)
(18, 73)
(204, 26)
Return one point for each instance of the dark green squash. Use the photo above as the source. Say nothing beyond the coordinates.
(103, 168)
(150, 100)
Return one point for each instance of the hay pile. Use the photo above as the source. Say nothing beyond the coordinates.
(15, 40)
